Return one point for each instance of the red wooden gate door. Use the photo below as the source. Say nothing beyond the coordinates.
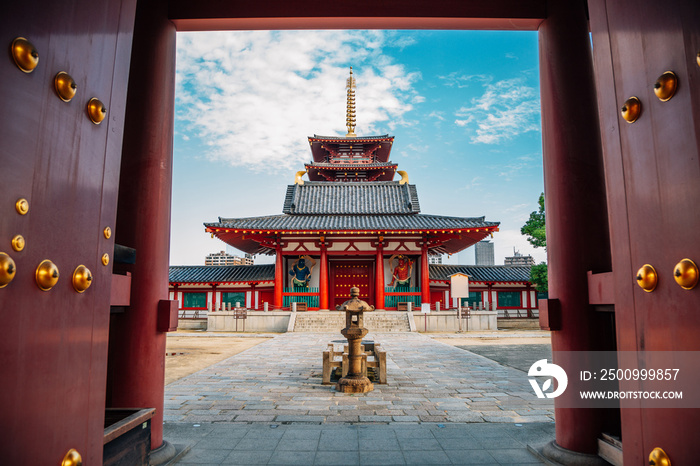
(53, 343)
(345, 275)
(652, 171)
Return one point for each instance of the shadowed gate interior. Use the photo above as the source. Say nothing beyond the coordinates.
(78, 178)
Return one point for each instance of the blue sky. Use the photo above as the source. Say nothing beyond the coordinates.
(463, 106)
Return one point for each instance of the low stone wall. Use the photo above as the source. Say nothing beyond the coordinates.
(257, 321)
(447, 321)
(192, 324)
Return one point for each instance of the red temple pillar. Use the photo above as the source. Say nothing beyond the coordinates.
(253, 305)
(528, 289)
(279, 279)
(323, 278)
(136, 345)
(379, 277)
(424, 274)
(576, 209)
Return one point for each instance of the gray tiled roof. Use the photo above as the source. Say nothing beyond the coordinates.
(482, 273)
(221, 274)
(351, 198)
(351, 222)
(266, 272)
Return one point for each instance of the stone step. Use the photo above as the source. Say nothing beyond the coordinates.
(334, 321)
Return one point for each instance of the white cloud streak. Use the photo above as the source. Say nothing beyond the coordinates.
(253, 96)
(505, 110)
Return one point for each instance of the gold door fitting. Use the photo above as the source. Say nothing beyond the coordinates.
(697, 59)
(22, 206)
(82, 278)
(46, 275)
(96, 110)
(647, 278)
(24, 54)
(105, 259)
(7, 269)
(107, 232)
(72, 458)
(631, 109)
(665, 87)
(686, 274)
(658, 457)
(18, 243)
(65, 86)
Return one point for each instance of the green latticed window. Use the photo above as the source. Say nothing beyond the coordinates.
(194, 301)
(509, 299)
(474, 299)
(232, 298)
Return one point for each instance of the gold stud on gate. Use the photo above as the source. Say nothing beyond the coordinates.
(697, 59)
(46, 275)
(72, 458)
(105, 259)
(7, 269)
(18, 243)
(631, 109)
(24, 54)
(96, 110)
(65, 86)
(658, 457)
(22, 206)
(647, 278)
(82, 278)
(686, 274)
(665, 87)
(107, 232)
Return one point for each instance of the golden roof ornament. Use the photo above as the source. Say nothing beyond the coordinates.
(350, 112)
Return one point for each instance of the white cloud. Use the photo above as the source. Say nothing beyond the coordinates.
(457, 80)
(253, 96)
(505, 110)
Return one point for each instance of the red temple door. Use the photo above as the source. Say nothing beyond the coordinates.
(652, 173)
(53, 344)
(345, 275)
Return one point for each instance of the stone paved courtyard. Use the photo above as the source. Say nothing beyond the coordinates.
(428, 382)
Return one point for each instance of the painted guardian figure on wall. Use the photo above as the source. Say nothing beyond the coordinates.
(301, 271)
(401, 274)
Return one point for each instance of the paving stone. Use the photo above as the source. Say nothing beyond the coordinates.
(382, 457)
(425, 376)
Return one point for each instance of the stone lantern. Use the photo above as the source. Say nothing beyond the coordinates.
(354, 381)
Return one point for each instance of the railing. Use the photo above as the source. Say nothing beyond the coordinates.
(401, 294)
(192, 314)
(299, 294)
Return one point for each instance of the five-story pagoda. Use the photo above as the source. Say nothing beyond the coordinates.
(351, 225)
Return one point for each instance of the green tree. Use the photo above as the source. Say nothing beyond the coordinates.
(534, 230)
(534, 227)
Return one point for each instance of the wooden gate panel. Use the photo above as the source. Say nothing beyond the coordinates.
(652, 170)
(54, 343)
(345, 275)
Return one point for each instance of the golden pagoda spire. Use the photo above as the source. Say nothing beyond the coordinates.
(350, 112)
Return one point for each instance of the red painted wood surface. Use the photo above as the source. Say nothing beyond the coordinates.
(345, 275)
(652, 170)
(424, 275)
(365, 14)
(379, 277)
(137, 343)
(577, 229)
(53, 344)
(279, 279)
(323, 278)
